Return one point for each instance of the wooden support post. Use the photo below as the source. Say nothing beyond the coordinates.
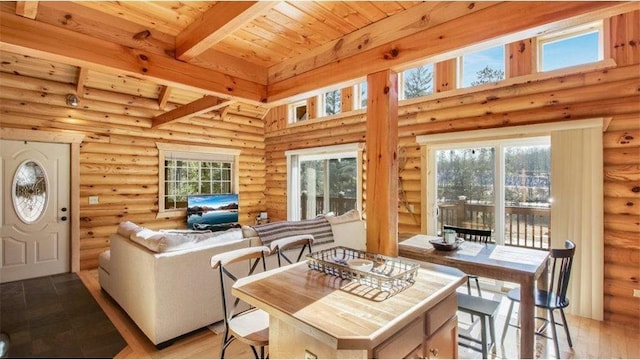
(382, 163)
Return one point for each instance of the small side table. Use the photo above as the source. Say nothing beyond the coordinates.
(261, 221)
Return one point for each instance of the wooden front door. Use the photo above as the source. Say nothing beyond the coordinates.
(35, 182)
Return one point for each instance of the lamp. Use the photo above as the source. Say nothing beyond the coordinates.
(72, 100)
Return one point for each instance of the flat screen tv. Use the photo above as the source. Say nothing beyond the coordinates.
(211, 210)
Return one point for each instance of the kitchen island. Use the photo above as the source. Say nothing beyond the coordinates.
(315, 315)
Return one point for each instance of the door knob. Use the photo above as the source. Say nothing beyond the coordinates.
(63, 209)
(64, 218)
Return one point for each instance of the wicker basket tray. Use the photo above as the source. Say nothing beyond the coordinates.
(386, 273)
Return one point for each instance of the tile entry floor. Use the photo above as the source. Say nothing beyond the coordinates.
(56, 317)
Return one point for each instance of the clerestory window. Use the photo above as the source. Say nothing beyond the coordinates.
(570, 47)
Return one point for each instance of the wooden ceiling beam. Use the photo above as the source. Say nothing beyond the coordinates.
(408, 22)
(24, 36)
(28, 9)
(222, 19)
(83, 73)
(517, 21)
(163, 97)
(194, 108)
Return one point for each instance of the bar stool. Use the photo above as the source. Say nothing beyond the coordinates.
(279, 246)
(486, 310)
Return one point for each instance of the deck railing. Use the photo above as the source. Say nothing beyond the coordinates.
(525, 226)
(338, 205)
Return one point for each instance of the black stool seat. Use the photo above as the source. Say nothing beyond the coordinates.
(483, 308)
(477, 305)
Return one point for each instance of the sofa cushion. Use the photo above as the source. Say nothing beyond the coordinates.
(349, 216)
(248, 231)
(157, 241)
(127, 228)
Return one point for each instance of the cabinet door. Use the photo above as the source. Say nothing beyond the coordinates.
(404, 343)
(443, 344)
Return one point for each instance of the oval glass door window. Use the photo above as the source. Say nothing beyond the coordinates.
(30, 191)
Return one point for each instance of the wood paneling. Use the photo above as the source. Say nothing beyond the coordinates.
(118, 160)
(520, 58)
(585, 94)
(624, 38)
(621, 144)
(446, 75)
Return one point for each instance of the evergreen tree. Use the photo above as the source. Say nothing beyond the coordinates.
(418, 82)
(332, 102)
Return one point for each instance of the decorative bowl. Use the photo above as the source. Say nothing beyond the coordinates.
(439, 244)
(360, 264)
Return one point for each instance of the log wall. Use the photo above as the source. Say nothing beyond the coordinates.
(611, 92)
(119, 158)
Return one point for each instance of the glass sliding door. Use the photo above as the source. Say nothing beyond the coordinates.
(328, 185)
(527, 195)
(323, 180)
(500, 184)
(465, 187)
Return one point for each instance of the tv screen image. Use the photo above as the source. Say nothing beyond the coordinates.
(212, 209)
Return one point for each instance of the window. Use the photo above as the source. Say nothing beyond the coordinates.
(416, 82)
(30, 191)
(497, 185)
(331, 103)
(575, 46)
(360, 92)
(487, 180)
(323, 180)
(194, 170)
(482, 67)
(298, 111)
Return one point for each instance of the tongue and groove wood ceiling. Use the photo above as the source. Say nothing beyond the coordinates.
(262, 52)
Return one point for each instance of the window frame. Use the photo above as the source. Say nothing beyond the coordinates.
(499, 187)
(195, 153)
(319, 153)
(402, 82)
(322, 102)
(293, 111)
(429, 143)
(357, 96)
(568, 33)
(460, 63)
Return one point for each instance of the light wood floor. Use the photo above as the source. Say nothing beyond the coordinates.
(591, 339)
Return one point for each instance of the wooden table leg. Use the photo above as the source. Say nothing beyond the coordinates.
(527, 321)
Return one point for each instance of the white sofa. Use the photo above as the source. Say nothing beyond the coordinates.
(165, 283)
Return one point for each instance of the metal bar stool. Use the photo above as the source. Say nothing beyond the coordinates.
(486, 310)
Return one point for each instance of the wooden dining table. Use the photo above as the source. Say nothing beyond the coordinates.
(524, 266)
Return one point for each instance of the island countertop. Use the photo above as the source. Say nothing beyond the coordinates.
(340, 313)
